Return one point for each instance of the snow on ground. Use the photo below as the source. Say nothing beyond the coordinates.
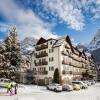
(92, 93)
(25, 98)
(29, 89)
(31, 92)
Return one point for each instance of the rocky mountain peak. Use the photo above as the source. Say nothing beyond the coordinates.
(95, 43)
(27, 45)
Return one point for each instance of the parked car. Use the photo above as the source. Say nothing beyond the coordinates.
(92, 82)
(76, 87)
(54, 87)
(87, 82)
(67, 87)
(4, 82)
(82, 85)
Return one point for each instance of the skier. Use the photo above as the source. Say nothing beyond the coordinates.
(9, 88)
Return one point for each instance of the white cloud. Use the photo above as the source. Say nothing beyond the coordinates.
(72, 11)
(28, 24)
(66, 11)
(93, 7)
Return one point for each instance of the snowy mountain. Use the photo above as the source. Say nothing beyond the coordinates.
(81, 46)
(94, 47)
(27, 45)
(95, 43)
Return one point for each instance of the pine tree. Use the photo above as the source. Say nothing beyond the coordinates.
(12, 54)
(56, 77)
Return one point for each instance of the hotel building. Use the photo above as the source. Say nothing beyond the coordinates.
(61, 54)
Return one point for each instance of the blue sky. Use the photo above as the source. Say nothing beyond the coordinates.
(80, 19)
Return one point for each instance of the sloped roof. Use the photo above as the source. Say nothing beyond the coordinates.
(41, 40)
(59, 42)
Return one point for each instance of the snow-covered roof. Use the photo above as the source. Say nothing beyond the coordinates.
(59, 42)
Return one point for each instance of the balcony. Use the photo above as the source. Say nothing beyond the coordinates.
(41, 55)
(77, 73)
(40, 73)
(41, 47)
(72, 64)
(83, 60)
(45, 72)
(64, 72)
(76, 58)
(65, 62)
(65, 53)
(41, 63)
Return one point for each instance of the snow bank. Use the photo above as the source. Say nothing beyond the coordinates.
(29, 89)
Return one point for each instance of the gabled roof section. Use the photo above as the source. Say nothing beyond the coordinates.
(51, 39)
(69, 41)
(41, 40)
(59, 42)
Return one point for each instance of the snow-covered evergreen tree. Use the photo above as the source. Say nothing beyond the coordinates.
(11, 54)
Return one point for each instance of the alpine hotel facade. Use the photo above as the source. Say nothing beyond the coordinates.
(72, 63)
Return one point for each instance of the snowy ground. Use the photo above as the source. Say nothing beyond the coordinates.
(40, 93)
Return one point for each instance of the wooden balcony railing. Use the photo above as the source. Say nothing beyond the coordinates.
(65, 53)
(76, 58)
(77, 73)
(41, 55)
(41, 63)
(65, 62)
(75, 64)
(42, 46)
(45, 72)
(64, 72)
(40, 73)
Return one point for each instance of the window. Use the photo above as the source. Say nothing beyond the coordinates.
(51, 43)
(35, 69)
(51, 50)
(51, 68)
(39, 60)
(40, 68)
(44, 51)
(51, 59)
(34, 61)
(35, 54)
